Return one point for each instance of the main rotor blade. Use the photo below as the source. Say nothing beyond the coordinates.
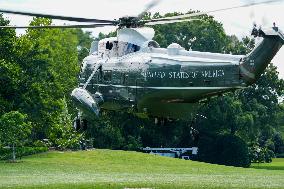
(168, 22)
(58, 26)
(180, 17)
(152, 4)
(76, 19)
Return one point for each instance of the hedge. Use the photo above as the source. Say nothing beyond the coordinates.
(280, 155)
(6, 153)
(224, 149)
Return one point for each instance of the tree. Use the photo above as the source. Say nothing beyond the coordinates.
(14, 129)
(10, 72)
(202, 35)
(62, 135)
(49, 63)
(261, 101)
(84, 43)
(251, 113)
(38, 70)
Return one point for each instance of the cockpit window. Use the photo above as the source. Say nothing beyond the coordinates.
(109, 45)
(132, 48)
(153, 44)
(113, 48)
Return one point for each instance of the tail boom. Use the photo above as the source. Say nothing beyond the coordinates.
(254, 64)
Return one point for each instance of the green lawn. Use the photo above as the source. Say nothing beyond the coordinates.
(119, 169)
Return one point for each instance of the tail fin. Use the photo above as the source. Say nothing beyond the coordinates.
(253, 65)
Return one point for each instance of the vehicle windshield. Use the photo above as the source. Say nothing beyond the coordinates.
(117, 48)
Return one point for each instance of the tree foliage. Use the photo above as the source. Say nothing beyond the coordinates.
(205, 34)
(38, 71)
(14, 129)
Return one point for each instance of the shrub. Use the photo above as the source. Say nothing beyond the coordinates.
(41, 143)
(64, 137)
(225, 149)
(132, 143)
(206, 149)
(269, 154)
(232, 150)
(280, 155)
(6, 153)
(259, 154)
(72, 143)
(279, 143)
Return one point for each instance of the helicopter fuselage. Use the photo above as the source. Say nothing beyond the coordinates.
(169, 82)
(156, 82)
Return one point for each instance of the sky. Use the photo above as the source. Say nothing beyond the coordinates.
(236, 22)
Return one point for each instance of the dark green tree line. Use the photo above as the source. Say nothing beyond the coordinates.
(38, 72)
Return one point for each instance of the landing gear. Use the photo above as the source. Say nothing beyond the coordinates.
(194, 133)
(162, 121)
(77, 124)
(80, 124)
(159, 121)
(156, 121)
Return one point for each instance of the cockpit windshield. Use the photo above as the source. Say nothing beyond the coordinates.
(114, 48)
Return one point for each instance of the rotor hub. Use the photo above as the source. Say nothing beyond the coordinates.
(129, 22)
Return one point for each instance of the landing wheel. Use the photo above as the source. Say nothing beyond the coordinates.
(162, 121)
(80, 124)
(77, 124)
(84, 123)
(194, 133)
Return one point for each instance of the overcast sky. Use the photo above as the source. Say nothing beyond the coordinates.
(237, 22)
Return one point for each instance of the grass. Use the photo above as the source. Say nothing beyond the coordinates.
(278, 164)
(119, 169)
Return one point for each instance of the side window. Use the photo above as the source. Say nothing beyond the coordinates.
(107, 75)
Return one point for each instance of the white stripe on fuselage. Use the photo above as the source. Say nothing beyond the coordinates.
(165, 88)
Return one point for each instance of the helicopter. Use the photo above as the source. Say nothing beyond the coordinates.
(131, 70)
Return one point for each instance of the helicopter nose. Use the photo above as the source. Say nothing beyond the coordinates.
(85, 101)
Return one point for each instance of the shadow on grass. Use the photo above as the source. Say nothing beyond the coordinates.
(11, 161)
(268, 167)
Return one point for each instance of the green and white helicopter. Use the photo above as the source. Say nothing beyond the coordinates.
(131, 70)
